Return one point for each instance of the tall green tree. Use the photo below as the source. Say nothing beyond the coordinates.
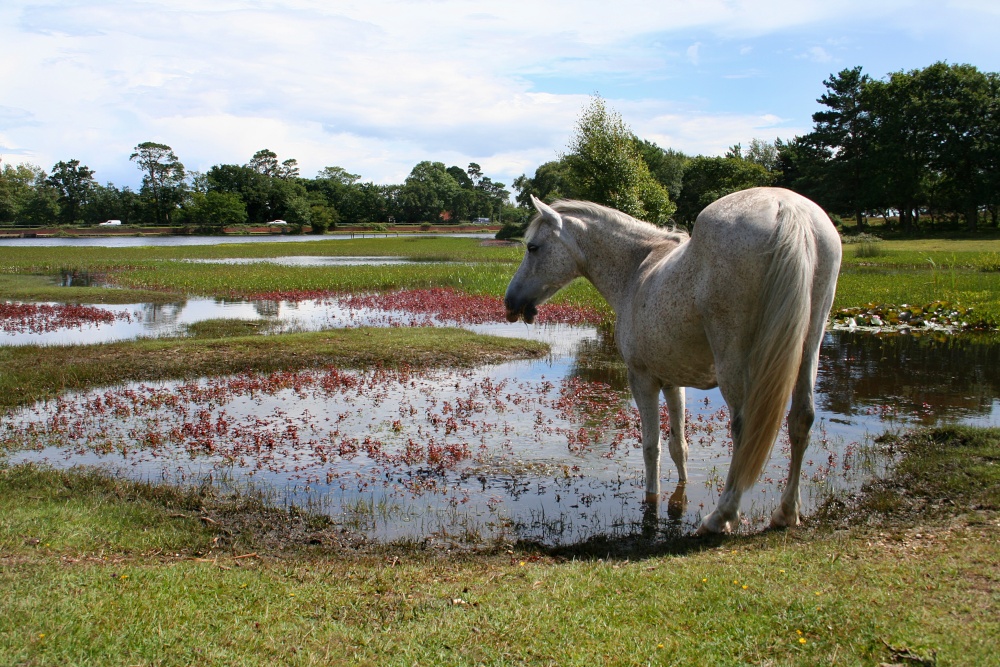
(162, 179)
(959, 106)
(709, 178)
(265, 161)
(213, 211)
(428, 192)
(341, 194)
(759, 151)
(900, 147)
(253, 188)
(74, 183)
(550, 182)
(606, 166)
(666, 165)
(17, 189)
(845, 128)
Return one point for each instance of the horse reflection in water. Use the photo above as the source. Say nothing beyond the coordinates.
(741, 304)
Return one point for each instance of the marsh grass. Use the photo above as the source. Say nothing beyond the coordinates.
(32, 373)
(153, 274)
(230, 328)
(104, 570)
(35, 288)
(98, 569)
(887, 284)
(869, 249)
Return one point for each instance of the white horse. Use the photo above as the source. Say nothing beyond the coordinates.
(740, 304)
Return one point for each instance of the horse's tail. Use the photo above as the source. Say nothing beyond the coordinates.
(777, 349)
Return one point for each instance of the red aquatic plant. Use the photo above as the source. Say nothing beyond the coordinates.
(42, 318)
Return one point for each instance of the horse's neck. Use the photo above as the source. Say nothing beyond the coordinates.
(613, 257)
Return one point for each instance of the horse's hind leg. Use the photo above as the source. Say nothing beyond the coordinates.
(725, 517)
(800, 421)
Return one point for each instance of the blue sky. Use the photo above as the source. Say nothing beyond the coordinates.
(375, 86)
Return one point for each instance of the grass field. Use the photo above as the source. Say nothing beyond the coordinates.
(98, 570)
(106, 571)
(915, 272)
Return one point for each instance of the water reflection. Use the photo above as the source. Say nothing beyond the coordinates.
(924, 379)
(74, 278)
(552, 457)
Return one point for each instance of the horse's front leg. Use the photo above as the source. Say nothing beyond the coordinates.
(677, 443)
(646, 392)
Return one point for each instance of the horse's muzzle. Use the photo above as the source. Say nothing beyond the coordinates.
(516, 311)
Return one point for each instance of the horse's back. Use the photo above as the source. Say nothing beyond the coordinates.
(746, 220)
(734, 236)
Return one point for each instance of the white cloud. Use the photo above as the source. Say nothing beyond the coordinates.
(377, 85)
(693, 53)
(817, 54)
(712, 134)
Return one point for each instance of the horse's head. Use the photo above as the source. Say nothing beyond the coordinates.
(551, 260)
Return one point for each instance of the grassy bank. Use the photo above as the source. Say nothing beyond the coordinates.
(33, 373)
(105, 571)
(893, 272)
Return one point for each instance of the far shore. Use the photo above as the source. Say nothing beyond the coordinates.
(261, 230)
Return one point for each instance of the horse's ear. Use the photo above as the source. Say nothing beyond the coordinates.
(547, 212)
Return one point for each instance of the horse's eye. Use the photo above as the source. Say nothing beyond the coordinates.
(532, 247)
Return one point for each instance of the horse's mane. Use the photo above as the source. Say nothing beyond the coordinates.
(591, 211)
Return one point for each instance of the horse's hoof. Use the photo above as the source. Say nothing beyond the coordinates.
(652, 498)
(714, 525)
(780, 520)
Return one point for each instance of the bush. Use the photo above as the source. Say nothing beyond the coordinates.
(511, 230)
(867, 249)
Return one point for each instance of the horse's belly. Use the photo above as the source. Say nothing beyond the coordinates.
(684, 375)
(677, 362)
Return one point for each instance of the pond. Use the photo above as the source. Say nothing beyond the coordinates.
(136, 241)
(543, 450)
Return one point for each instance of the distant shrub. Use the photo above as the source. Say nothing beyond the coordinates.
(862, 237)
(868, 249)
(510, 230)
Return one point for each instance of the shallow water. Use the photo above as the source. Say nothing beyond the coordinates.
(136, 241)
(544, 450)
(312, 260)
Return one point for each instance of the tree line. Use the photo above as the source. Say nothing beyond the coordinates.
(915, 147)
(262, 190)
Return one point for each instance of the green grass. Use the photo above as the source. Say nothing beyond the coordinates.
(229, 328)
(41, 288)
(98, 570)
(924, 271)
(50, 259)
(32, 373)
(101, 570)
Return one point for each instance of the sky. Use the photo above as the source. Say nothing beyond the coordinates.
(376, 86)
